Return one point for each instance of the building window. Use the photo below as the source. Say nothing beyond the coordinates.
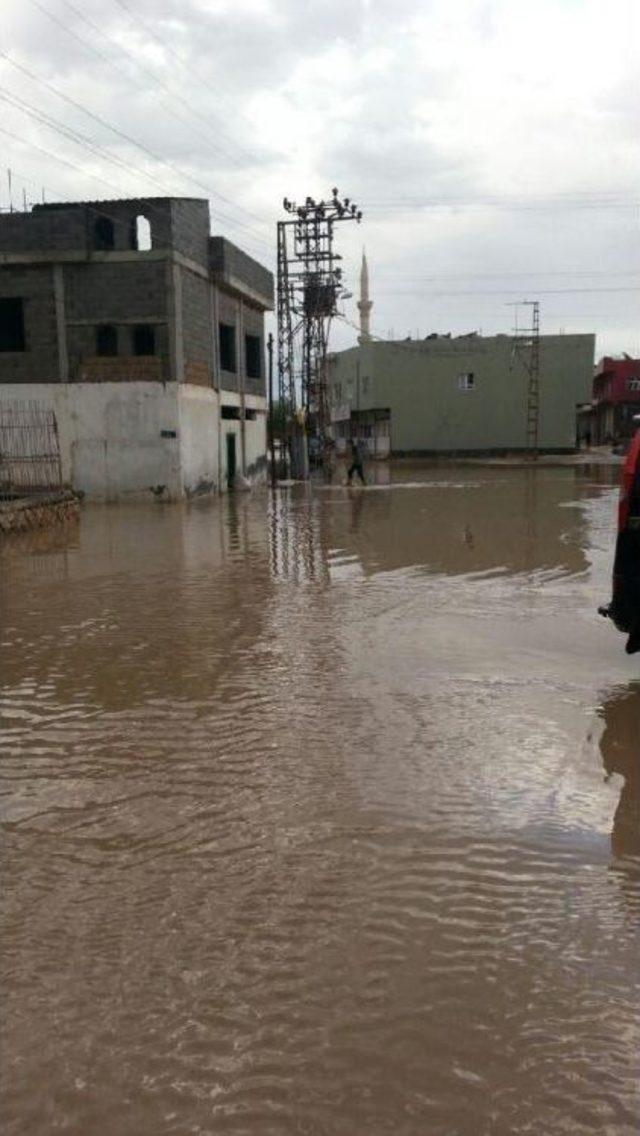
(11, 324)
(140, 234)
(253, 356)
(228, 347)
(633, 384)
(104, 234)
(467, 381)
(144, 339)
(231, 413)
(106, 340)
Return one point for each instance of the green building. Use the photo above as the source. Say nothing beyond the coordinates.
(464, 394)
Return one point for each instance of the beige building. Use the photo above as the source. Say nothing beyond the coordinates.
(444, 394)
(465, 395)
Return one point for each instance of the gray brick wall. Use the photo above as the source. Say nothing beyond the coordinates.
(179, 224)
(57, 231)
(254, 325)
(197, 326)
(81, 346)
(101, 289)
(190, 227)
(226, 261)
(39, 362)
(107, 291)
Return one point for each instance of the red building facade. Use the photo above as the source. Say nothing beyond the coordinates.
(616, 398)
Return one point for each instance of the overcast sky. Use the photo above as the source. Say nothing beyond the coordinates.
(491, 144)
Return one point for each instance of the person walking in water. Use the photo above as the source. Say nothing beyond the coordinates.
(356, 463)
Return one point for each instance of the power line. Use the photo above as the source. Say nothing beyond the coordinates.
(501, 275)
(502, 291)
(121, 134)
(215, 147)
(95, 148)
(74, 35)
(136, 19)
(103, 210)
(576, 199)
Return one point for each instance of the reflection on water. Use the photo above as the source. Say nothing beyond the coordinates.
(620, 748)
(300, 830)
(502, 520)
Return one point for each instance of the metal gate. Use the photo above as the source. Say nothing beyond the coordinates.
(29, 448)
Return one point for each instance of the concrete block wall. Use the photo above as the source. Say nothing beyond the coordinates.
(63, 223)
(181, 224)
(121, 294)
(109, 291)
(253, 320)
(199, 342)
(228, 263)
(39, 362)
(119, 369)
(44, 230)
(229, 313)
(190, 229)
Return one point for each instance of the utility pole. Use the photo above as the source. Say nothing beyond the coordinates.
(526, 346)
(272, 450)
(309, 286)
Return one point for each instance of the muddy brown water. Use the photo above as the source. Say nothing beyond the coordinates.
(321, 815)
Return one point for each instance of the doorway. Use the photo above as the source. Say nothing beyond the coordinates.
(231, 460)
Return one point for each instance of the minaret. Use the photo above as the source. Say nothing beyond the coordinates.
(364, 303)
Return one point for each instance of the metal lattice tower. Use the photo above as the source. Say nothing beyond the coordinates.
(526, 347)
(309, 287)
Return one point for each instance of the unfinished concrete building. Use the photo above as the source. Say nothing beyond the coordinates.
(146, 336)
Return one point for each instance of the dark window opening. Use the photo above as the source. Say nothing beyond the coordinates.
(253, 355)
(104, 236)
(11, 324)
(228, 347)
(144, 339)
(106, 339)
(251, 415)
(467, 381)
(230, 412)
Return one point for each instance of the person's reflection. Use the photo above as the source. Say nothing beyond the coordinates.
(620, 749)
(356, 501)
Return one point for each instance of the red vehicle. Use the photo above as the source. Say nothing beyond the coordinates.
(624, 609)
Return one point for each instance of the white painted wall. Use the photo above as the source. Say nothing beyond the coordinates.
(111, 436)
(256, 447)
(255, 435)
(199, 439)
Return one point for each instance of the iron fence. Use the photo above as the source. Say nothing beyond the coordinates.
(29, 448)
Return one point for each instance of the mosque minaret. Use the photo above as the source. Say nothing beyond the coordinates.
(364, 303)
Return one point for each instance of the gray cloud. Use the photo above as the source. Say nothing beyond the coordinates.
(484, 169)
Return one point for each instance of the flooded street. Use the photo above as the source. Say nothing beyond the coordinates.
(321, 815)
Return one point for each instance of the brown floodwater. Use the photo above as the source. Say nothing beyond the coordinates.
(321, 815)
